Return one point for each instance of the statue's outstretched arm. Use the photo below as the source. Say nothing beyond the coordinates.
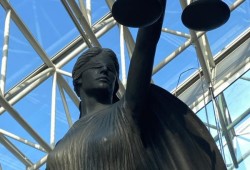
(141, 65)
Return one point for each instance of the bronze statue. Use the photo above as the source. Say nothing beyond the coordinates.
(147, 129)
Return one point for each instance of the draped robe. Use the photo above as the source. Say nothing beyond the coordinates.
(166, 136)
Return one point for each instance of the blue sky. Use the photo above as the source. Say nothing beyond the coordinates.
(52, 27)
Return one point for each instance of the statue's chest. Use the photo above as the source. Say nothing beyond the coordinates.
(108, 140)
(107, 129)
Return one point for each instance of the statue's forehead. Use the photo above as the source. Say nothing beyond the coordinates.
(101, 59)
(98, 62)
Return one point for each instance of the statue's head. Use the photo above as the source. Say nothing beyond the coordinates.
(91, 61)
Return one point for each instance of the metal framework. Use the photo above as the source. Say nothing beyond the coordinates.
(205, 85)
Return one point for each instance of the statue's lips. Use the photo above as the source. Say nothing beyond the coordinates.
(103, 78)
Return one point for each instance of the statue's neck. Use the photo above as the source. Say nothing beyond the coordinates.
(88, 108)
(94, 103)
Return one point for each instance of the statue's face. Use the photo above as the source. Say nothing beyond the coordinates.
(99, 75)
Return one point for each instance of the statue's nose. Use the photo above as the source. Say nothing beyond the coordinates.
(104, 69)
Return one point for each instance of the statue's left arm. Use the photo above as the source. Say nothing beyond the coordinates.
(141, 64)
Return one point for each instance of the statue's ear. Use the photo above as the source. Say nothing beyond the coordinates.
(77, 84)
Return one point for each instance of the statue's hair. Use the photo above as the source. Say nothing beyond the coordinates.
(83, 60)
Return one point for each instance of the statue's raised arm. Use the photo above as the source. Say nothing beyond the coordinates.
(141, 65)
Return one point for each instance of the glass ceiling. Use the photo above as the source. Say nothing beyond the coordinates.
(41, 40)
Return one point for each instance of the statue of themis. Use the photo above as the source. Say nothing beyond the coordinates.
(146, 129)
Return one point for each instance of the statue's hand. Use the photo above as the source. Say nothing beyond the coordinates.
(138, 13)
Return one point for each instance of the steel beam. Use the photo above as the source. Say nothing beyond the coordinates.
(65, 105)
(24, 124)
(18, 138)
(15, 151)
(176, 52)
(225, 132)
(37, 165)
(5, 51)
(27, 33)
(53, 111)
(81, 23)
(23, 89)
(178, 33)
(123, 59)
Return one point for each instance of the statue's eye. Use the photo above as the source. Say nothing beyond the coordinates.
(111, 68)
